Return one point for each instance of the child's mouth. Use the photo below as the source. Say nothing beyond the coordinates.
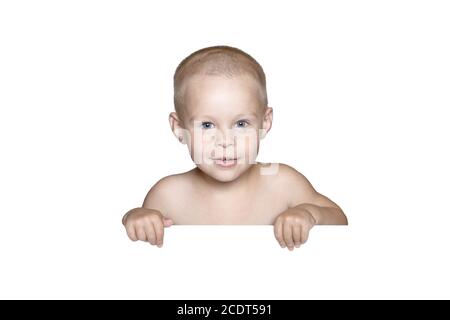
(225, 162)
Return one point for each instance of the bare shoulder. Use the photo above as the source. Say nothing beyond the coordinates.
(293, 178)
(296, 187)
(283, 174)
(164, 193)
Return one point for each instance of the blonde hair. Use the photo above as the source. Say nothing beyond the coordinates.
(220, 61)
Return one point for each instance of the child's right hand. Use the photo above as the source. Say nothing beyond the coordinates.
(146, 225)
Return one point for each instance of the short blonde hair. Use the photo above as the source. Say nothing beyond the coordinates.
(221, 61)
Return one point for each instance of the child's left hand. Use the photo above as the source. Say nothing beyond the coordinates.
(292, 227)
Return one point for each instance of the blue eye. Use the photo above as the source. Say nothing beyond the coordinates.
(207, 125)
(242, 123)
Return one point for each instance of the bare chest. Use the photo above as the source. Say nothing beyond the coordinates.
(254, 207)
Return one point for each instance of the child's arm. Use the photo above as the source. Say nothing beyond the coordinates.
(306, 208)
(147, 223)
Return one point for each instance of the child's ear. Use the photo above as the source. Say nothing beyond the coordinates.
(267, 122)
(176, 126)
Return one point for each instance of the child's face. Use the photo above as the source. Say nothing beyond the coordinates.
(224, 119)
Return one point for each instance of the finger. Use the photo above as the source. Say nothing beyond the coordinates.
(296, 234)
(140, 232)
(167, 222)
(159, 231)
(278, 231)
(305, 234)
(150, 232)
(131, 232)
(287, 234)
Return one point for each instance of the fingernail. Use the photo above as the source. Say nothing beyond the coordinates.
(291, 248)
(297, 245)
(160, 245)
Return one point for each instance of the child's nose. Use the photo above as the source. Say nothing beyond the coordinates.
(225, 139)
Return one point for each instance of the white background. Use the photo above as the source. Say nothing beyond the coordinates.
(360, 91)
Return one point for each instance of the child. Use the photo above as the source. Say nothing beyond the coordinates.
(221, 113)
